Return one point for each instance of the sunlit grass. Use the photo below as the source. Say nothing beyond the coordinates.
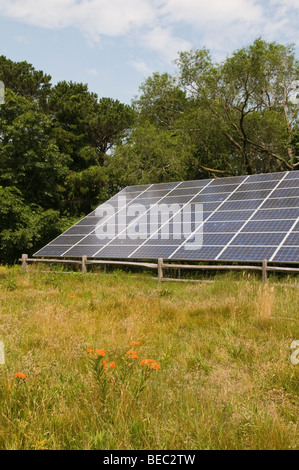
(226, 379)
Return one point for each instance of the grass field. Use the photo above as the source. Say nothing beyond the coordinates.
(226, 379)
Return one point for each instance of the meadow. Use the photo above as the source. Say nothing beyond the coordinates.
(225, 378)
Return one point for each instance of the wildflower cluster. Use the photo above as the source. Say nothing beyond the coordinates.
(96, 353)
(128, 375)
(132, 354)
(151, 364)
(20, 375)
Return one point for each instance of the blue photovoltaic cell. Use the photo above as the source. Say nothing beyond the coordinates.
(233, 219)
(160, 186)
(286, 184)
(66, 240)
(224, 216)
(116, 251)
(175, 199)
(79, 230)
(262, 239)
(239, 196)
(81, 250)
(279, 203)
(287, 255)
(194, 184)
(241, 205)
(153, 194)
(210, 239)
(174, 192)
(219, 189)
(246, 187)
(146, 200)
(293, 192)
(215, 227)
(208, 206)
(91, 221)
(266, 177)
(292, 239)
(268, 226)
(51, 251)
(229, 180)
(160, 241)
(200, 253)
(278, 214)
(93, 240)
(296, 228)
(215, 197)
(151, 250)
(247, 253)
(291, 175)
(138, 189)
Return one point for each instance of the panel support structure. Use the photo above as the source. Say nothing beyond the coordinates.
(84, 268)
(265, 265)
(24, 262)
(160, 269)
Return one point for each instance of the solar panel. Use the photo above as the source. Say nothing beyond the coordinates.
(242, 218)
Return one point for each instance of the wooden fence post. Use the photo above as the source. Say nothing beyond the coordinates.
(84, 268)
(24, 262)
(264, 272)
(160, 269)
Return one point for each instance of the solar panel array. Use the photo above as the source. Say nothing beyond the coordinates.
(243, 218)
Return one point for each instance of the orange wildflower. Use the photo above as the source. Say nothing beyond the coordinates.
(72, 296)
(155, 365)
(145, 362)
(90, 351)
(20, 375)
(132, 354)
(150, 363)
(111, 365)
(135, 343)
(101, 352)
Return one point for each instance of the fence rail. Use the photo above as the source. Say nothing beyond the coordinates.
(161, 265)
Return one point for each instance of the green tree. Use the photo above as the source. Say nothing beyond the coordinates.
(109, 126)
(148, 157)
(86, 129)
(73, 108)
(162, 103)
(85, 190)
(248, 98)
(29, 157)
(24, 80)
(24, 227)
(155, 150)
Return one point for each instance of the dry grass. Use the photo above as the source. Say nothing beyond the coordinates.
(226, 379)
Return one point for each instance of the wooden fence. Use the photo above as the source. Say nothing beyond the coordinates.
(160, 266)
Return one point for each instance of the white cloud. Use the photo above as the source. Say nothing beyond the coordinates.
(287, 3)
(163, 26)
(198, 12)
(93, 17)
(92, 72)
(141, 66)
(163, 40)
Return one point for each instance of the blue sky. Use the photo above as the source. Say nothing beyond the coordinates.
(113, 45)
